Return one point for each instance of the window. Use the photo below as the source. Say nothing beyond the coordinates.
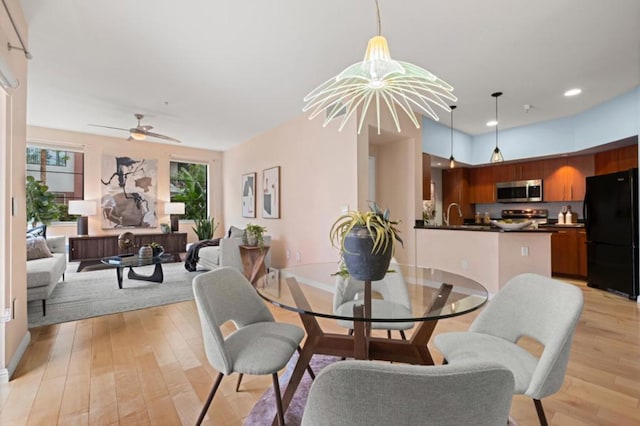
(62, 171)
(188, 183)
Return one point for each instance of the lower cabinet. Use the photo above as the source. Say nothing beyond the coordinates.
(569, 252)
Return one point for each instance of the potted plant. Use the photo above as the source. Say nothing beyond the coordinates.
(367, 241)
(41, 204)
(253, 235)
(157, 249)
(205, 228)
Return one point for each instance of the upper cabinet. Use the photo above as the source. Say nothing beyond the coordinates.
(426, 176)
(455, 189)
(564, 178)
(616, 160)
(483, 184)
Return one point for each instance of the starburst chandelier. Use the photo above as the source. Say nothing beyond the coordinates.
(383, 81)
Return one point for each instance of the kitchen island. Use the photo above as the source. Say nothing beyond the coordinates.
(489, 255)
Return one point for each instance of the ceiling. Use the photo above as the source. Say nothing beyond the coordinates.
(215, 74)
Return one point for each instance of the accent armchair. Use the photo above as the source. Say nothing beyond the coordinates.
(532, 305)
(354, 393)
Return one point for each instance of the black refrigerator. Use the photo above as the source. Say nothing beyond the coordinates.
(611, 221)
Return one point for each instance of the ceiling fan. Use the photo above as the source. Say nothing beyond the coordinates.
(140, 132)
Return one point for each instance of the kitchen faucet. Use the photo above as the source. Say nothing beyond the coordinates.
(446, 218)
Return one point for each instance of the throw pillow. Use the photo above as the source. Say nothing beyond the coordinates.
(37, 248)
(235, 232)
(37, 231)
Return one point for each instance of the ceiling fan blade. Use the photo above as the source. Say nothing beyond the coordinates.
(159, 136)
(109, 127)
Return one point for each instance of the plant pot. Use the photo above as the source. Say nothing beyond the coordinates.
(359, 261)
(145, 252)
(251, 240)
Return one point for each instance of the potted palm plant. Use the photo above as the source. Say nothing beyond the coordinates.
(367, 241)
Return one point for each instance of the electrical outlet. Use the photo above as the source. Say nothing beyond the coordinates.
(6, 317)
(524, 251)
(288, 254)
(464, 264)
(299, 256)
(345, 208)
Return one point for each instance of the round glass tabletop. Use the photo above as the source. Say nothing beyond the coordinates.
(406, 293)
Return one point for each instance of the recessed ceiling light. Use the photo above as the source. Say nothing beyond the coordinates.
(491, 123)
(438, 164)
(573, 92)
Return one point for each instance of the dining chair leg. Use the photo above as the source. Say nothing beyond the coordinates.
(309, 370)
(276, 390)
(209, 399)
(541, 417)
(404, 336)
(350, 334)
(240, 375)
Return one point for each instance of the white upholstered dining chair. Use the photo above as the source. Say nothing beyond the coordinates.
(531, 305)
(354, 393)
(258, 346)
(390, 298)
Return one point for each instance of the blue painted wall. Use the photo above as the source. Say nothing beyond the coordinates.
(613, 120)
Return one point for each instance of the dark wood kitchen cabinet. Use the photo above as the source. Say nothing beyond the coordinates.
(569, 252)
(426, 176)
(482, 183)
(616, 160)
(89, 250)
(455, 189)
(564, 178)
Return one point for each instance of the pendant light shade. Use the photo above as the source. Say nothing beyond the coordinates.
(452, 160)
(496, 155)
(379, 81)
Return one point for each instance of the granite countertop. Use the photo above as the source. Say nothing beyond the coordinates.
(485, 228)
(568, 225)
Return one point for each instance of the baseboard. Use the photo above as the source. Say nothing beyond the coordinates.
(6, 373)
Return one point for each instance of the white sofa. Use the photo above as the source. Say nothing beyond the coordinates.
(44, 274)
(228, 254)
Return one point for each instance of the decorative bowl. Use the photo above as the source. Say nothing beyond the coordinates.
(511, 225)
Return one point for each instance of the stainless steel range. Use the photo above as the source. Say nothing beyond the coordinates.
(540, 216)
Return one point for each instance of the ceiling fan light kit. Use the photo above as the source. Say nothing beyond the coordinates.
(378, 78)
(140, 132)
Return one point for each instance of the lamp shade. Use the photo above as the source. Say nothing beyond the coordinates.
(82, 207)
(174, 208)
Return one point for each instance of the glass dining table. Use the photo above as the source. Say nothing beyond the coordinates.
(309, 291)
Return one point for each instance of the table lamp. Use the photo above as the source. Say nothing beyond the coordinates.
(174, 210)
(83, 208)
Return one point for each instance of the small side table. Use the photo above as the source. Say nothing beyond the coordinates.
(253, 262)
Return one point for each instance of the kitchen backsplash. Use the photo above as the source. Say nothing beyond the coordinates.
(495, 210)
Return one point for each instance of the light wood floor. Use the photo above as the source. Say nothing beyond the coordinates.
(148, 367)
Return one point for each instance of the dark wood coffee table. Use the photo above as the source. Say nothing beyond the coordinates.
(133, 261)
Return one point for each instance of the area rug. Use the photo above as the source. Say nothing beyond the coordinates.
(93, 293)
(265, 409)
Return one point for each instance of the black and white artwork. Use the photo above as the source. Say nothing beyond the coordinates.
(271, 193)
(129, 192)
(249, 195)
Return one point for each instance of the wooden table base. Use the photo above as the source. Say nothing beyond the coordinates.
(360, 345)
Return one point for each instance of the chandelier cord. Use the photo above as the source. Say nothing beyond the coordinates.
(497, 121)
(452, 108)
(378, 12)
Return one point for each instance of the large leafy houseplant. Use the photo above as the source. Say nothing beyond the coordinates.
(367, 241)
(41, 204)
(204, 228)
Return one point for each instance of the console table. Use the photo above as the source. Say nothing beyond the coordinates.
(90, 250)
(253, 262)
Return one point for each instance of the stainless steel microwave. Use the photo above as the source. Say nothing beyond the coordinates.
(520, 191)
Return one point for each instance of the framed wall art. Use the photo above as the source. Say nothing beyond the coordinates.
(249, 195)
(129, 192)
(271, 193)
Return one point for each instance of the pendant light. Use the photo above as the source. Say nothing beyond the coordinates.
(379, 81)
(496, 155)
(452, 160)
